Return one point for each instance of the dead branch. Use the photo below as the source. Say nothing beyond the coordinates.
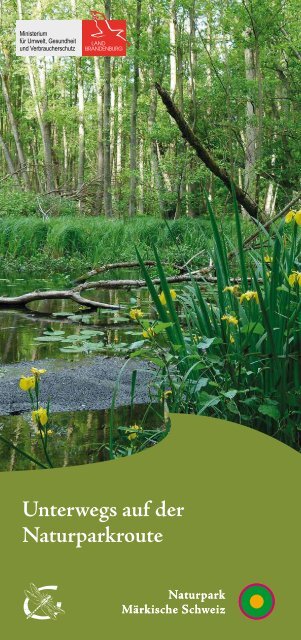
(244, 200)
(72, 294)
(111, 266)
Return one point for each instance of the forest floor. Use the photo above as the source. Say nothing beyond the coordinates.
(88, 384)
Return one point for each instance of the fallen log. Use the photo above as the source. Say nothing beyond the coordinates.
(74, 294)
(26, 298)
(111, 267)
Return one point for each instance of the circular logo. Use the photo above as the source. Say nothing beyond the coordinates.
(256, 601)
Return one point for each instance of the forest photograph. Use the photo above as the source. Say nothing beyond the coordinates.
(150, 228)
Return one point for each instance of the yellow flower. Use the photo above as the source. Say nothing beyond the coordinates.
(49, 433)
(295, 278)
(162, 298)
(298, 218)
(37, 372)
(249, 295)
(232, 340)
(290, 216)
(230, 319)
(167, 393)
(136, 313)
(40, 416)
(148, 333)
(232, 289)
(27, 383)
(133, 435)
(268, 259)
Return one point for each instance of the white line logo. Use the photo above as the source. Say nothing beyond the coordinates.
(37, 600)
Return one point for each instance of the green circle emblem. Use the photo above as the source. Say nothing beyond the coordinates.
(256, 601)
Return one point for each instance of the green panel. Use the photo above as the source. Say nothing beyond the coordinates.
(240, 491)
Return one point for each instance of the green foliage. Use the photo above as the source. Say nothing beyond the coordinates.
(234, 351)
(16, 202)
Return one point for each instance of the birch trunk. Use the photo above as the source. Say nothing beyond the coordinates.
(81, 130)
(8, 159)
(15, 132)
(107, 178)
(133, 134)
(250, 133)
(99, 100)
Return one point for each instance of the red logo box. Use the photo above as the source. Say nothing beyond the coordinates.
(104, 37)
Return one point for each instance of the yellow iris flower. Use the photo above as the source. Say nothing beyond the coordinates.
(295, 278)
(162, 297)
(27, 383)
(232, 289)
(40, 416)
(230, 319)
(37, 372)
(290, 216)
(249, 295)
(293, 215)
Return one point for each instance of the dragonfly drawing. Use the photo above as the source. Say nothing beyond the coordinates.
(42, 603)
(106, 28)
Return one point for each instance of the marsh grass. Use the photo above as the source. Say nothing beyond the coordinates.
(96, 241)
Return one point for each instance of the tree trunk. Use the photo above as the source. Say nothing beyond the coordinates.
(251, 130)
(15, 132)
(99, 99)
(193, 186)
(107, 178)
(243, 199)
(81, 129)
(8, 159)
(133, 133)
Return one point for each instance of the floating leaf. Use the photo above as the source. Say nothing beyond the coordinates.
(51, 332)
(48, 339)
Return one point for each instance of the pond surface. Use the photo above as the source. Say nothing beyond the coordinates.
(79, 437)
(20, 330)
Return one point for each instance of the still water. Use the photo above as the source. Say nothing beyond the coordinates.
(79, 437)
(19, 329)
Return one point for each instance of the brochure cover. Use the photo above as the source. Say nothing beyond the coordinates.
(150, 274)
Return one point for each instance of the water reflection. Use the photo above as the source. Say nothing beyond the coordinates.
(19, 328)
(78, 437)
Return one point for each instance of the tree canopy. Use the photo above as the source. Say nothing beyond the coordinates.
(95, 129)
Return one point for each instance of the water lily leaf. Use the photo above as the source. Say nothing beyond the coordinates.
(73, 349)
(48, 339)
(51, 332)
(91, 332)
(61, 314)
(94, 346)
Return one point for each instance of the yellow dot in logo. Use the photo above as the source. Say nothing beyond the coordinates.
(256, 601)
